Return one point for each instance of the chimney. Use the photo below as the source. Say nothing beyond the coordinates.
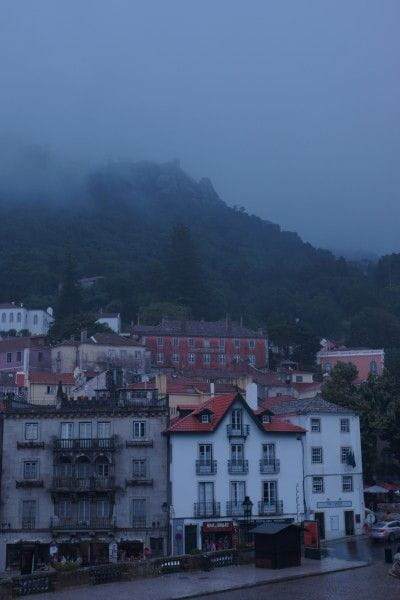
(252, 396)
(212, 389)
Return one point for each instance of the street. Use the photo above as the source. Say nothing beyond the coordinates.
(369, 583)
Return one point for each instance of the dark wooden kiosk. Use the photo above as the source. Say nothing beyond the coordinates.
(277, 545)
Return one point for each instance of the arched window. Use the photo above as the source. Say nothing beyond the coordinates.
(373, 369)
(102, 466)
(11, 318)
(83, 469)
(328, 367)
(19, 317)
(3, 318)
(65, 467)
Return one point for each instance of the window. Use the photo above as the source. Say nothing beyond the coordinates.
(11, 317)
(139, 512)
(139, 429)
(191, 358)
(64, 509)
(123, 354)
(266, 418)
(205, 417)
(345, 425)
(9, 357)
(31, 431)
(19, 317)
(35, 319)
(222, 344)
(51, 389)
(221, 358)
(206, 359)
(104, 430)
(175, 357)
(175, 342)
(269, 492)
(3, 317)
(347, 483)
(102, 509)
(299, 378)
(30, 469)
(373, 369)
(316, 425)
(40, 356)
(237, 495)
(19, 356)
(328, 367)
(160, 342)
(236, 419)
(102, 467)
(316, 455)
(28, 514)
(206, 496)
(268, 453)
(85, 430)
(138, 355)
(252, 359)
(237, 454)
(318, 485)
(205, 454)
(160, 357)
(67, 431)
(236, 358)
(83, 511)
(252, 343)
(206, 343)
(139, 467)
(236, 343)
(191, 343)
(344, 452)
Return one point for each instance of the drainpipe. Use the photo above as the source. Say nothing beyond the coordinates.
(301, 440)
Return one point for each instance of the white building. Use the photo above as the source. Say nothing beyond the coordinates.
(113, 320)
(18, 317)
(222, 452)
(333, 480)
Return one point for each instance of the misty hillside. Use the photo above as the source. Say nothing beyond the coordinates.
(119, 223)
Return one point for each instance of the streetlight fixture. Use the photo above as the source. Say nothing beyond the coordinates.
(247, 510)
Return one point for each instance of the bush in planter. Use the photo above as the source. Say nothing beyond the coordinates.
(67, 566)
(195, 551)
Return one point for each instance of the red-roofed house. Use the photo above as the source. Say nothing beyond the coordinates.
(221, 452)
(368, 361)
(42, 386)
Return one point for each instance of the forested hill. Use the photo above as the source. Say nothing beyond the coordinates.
(157, 235)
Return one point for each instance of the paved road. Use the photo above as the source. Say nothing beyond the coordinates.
(369, 583)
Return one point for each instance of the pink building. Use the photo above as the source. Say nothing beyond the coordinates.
(366, 360)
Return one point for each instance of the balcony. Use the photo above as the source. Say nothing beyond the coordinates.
(238, 431)
(268, 465)
(83, 484)
(238, 466)
(139, 522)
(29, 483)
(270, 508)
(139, 443)
(75, 524)
(85, 444)
(206, 509)
(234, 509)
(28, 523)
(206, 467)
(139, 480)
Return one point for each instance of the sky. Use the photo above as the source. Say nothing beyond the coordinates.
(290, 107)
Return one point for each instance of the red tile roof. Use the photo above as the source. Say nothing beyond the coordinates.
(219, 406)
(51, 378)
(307, 387)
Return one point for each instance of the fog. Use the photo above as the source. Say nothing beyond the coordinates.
(290, 107)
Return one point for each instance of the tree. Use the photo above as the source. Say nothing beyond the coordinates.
(374, 328)
(296, 341)
(69, 300)
(152, 314)
(73, 325)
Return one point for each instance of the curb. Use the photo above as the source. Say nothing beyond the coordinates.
(270, 582)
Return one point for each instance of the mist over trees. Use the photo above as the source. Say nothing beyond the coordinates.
(157, 236)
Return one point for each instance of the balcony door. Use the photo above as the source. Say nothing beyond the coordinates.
(85, 430)
(269, 496)
(103, 432)
(84, 511)
(237, 454)
(237, 495)
(269, 454)
(236, 419)
(206, 497)
(205, 455)
(67, 431)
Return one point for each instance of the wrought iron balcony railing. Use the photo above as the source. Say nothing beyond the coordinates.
(237, 431)
(238, 466)
(268, 465)
(207, 509)
(206, 467)
(74, 523)
(85, 444)
(270, 508)
(234, 509)
(77, 484)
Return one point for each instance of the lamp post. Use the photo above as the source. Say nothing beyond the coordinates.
(247, 510)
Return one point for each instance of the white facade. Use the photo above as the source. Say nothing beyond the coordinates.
(113, 321)
(342, 484)
(188, 489)
(18, 317)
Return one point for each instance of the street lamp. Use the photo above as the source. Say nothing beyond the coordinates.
(247, 510)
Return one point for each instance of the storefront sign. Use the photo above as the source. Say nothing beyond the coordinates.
(335, 504)
(218, 526)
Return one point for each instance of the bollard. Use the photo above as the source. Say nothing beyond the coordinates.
(388, 555)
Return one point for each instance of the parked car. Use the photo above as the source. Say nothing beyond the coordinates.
(386, 530)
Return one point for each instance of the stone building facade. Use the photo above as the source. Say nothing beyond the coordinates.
(84, 479)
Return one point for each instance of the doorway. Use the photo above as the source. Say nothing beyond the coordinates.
(190, 538)
(320, 518)
(349, 522)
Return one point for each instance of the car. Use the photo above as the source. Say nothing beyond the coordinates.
(386, 530)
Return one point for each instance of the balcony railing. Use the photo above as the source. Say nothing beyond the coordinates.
(207, 509)
(79, 444)
(28, 522)
(206, 467)
(73, 523)
(237, 431)
(234, 509)
(270, 508)
(268, 465)
(238, 466)
(139, 522)
(83, 483)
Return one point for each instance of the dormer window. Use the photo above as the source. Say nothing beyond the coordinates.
(266, 418)
(205, 418)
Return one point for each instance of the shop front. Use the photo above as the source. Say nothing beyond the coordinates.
(218, 535)
(27, 557)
